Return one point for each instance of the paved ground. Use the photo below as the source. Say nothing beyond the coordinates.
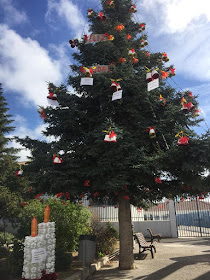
(176, 259)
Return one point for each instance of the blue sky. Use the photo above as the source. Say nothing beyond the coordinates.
(34, 50)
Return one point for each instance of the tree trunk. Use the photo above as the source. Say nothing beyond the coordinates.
(126, 234)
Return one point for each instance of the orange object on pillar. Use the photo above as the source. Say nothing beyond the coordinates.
(34, 227)
(47, 214)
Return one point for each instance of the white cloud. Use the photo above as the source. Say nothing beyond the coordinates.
(181, 28)
(22, 131)
(26, 67)
(12, 15)
(175, 15)
(65, 9)
(61, 53)
(189, 51)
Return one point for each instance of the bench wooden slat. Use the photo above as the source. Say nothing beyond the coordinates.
(154, 235)
(144, 245)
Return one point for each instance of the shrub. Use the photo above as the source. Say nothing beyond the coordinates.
(4, 252)
(15, 260)
(71, 220)
(106, 238)
(6, 237)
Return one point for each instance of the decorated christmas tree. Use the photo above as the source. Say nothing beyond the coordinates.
(124, 136)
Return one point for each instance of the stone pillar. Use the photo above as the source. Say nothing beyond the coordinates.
(172, 215)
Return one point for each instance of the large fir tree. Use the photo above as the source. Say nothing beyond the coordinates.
(12, 189)
(138, 167)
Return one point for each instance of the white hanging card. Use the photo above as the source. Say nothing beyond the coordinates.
(38, 255)
(117, 95)
(153, 84)
(53, 103)
(86, 82)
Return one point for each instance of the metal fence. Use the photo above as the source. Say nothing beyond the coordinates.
(193, 217)
(157, 211)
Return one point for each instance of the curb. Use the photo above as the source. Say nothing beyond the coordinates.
(89, 270)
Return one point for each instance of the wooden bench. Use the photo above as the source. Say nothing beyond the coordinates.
(144, 245)
(154, 235)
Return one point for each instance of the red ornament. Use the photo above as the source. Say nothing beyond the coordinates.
(91, 13)
(160, 206)
(128, 37)
(87, 71)
(142, 27)
(126, 197)
(104, 206)
(172, 72)
(30, 189)
(115, 86)
(59, 194)
(158, 180)
(183, 141)
(147, 54)
(143, 43)
(186, 107)
(164, 74)
(122, 60)
(165, 57)
(67, 195)
(73, 43)
(110, 4)
(132, 53)
(196, 113)
(23, 203)
(101, 16)
(116, 206)
(111, 137)
(42, 113)
(38, 195)
(52, 96)
(182, 199)
(190, 93)
(119, 27)
(152, 131)
(135, 60)
(57, 159)
(87, 183)
(162, 100)
(133, 9)
(19, 173)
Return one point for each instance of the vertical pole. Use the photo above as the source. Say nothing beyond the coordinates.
(198, 216)
(172, 215)
(84, 259)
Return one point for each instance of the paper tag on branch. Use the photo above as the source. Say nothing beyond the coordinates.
(117, 95)
(86, 82)
(153, 84)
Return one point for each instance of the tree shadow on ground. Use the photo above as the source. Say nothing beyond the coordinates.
(179, 263)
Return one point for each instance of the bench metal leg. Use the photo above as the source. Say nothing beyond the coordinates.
(152, 253)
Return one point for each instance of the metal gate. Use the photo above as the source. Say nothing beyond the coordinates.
(193, 217)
